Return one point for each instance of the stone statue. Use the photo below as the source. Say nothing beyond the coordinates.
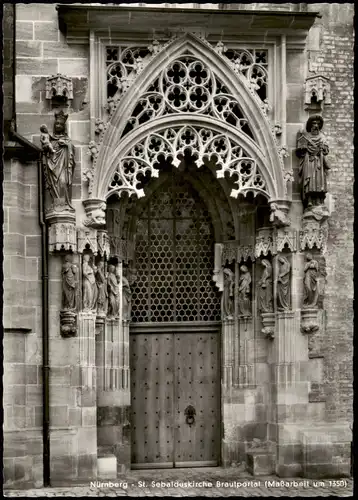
(113, 293)
(283, 285)
(278, 217)
(89, 285)
(127, 299)
(102, 292)
(244, 292)
(310, 283)
(126, 294)
(265, 284)
(69, 284)
(58, 160)
(312, 149)
(227, 298)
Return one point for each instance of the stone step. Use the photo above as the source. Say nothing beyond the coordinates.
(106, 464)
(260, 462)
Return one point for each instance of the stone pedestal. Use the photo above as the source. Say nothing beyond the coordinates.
(260, 462)
(309, 320)
(68, 321)
(268, 324)
(62, 229)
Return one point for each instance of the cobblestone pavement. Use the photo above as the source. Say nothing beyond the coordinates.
(203, 482)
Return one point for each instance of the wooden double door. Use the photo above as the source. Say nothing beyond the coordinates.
(175, 395)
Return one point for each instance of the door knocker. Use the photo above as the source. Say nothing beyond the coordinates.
(190, 413)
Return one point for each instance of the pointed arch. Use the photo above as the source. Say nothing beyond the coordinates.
(261, 147)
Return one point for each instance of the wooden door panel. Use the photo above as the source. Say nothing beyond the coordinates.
(196, 383)
(152, 400)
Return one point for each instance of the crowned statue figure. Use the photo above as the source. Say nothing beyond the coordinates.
(58, 161)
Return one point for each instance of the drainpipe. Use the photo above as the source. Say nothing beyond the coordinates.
(45, 304)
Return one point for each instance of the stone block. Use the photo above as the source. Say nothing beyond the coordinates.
(14, 244)
(289, 454)
(74, 67)
(89, 416)
(14, 374)
(62, 468)
(45, 67)
(107, 467)
(29, 49)
(44, 12)
(23, 317)
(59, 416)
(75, 417)
(88, 397)
(291, 470)
(80, 132)
(87, 441)
(31, 374)
(260, 463)
(33, 289)
(8, 470)
(87, 466)
(295, 65)
(46, 31)
(14, 348)
(64, 50)
(32, 274)
(63, 396)
(34, 396)
(60, 375)
(24, 30)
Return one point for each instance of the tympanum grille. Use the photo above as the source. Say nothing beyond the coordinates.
(174, 258)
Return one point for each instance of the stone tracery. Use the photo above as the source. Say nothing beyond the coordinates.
(172, 144)
(187, 84)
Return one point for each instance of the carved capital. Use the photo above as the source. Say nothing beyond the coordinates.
(317, 90)
(87, 240)
(264, 242)
(244, 252)
(229, 252)
(285, 238)
(59, 86)
(314, 228)
(95, 211)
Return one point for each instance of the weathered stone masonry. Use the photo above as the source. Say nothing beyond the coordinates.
(317, 368)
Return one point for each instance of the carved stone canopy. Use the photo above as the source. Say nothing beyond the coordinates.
(59, 86)
(317, 90)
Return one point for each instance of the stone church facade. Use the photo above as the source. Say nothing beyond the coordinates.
(178, 239)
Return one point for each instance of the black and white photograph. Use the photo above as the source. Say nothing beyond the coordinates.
(178, 240)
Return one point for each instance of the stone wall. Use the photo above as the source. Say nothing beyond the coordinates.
(331, 53)
(41, 51)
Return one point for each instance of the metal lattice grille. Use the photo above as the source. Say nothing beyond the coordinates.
(174, 258)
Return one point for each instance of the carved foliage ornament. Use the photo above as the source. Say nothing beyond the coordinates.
(172, 143)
